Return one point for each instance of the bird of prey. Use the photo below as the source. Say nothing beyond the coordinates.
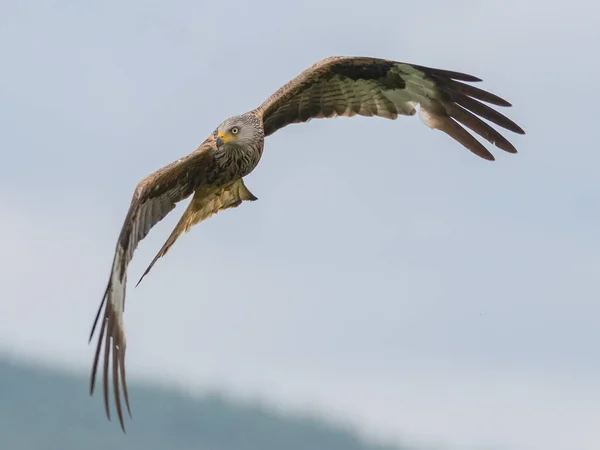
(213, 174)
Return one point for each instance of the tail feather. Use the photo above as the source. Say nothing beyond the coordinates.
(202, 206)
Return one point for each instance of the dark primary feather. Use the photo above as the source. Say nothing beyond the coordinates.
(346, 86)
(154, 197)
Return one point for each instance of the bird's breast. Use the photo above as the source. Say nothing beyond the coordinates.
(238, 161)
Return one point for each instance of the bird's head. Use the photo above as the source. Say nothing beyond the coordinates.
(238, 130)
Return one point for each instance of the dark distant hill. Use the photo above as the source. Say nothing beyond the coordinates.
(44, 410)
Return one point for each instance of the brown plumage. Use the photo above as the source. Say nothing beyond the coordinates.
(337, 86)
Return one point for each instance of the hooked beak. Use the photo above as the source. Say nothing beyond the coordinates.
(223, 138)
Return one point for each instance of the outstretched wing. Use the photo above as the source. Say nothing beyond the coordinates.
(346, 86)
(204, 204)
(154, 197)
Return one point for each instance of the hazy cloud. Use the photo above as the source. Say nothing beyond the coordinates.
(385, 275)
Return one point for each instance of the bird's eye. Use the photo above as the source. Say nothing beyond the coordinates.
(235, 130)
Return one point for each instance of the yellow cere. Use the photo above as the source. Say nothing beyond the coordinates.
(226, 136)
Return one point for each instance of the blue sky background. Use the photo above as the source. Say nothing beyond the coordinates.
(437, 299)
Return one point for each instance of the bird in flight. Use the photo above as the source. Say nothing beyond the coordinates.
(213, 174)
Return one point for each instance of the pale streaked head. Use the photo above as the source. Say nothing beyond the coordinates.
(241, 130)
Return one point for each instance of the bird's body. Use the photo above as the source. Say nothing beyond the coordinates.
(214, 172)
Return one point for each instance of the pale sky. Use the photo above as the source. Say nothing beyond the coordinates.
(386, 277)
